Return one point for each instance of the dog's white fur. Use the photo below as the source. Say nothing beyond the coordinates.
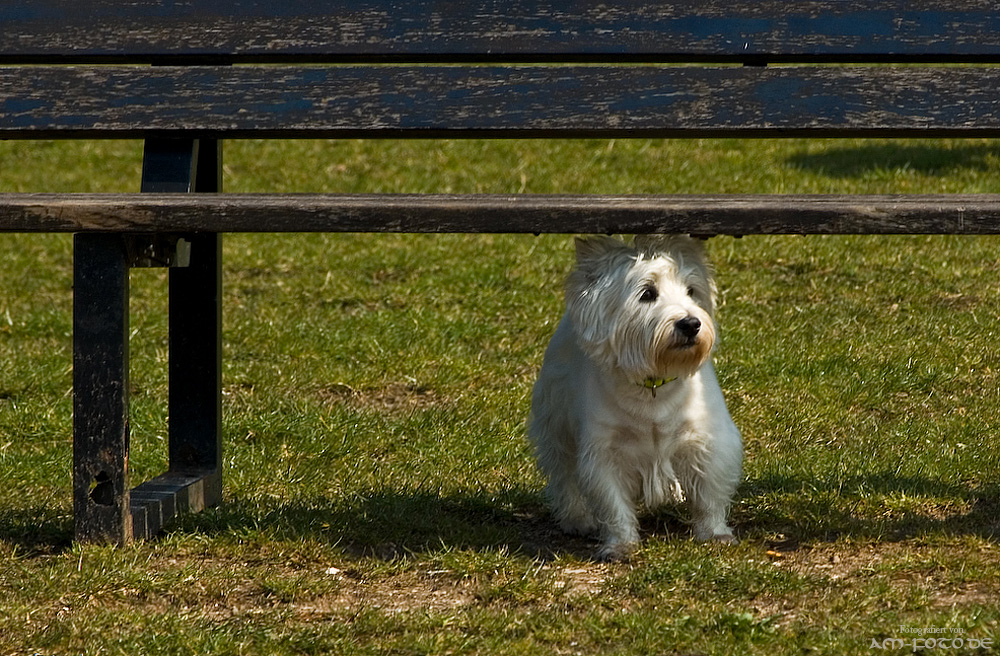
(605, 438)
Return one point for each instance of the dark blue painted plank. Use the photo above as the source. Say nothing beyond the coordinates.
(477, 101)
(433, 30)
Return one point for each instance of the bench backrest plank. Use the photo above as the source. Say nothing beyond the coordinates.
(229, 31)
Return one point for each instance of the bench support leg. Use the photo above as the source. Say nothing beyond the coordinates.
(195, 358)
(194, 480)
(105, 509)
(100, 389)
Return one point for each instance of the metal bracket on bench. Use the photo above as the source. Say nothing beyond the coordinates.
(146, 251)
(105, 509)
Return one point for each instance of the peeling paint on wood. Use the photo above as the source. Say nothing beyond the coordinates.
(441, 30)
(472, 101)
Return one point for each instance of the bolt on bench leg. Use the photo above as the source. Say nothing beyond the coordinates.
(100, 389)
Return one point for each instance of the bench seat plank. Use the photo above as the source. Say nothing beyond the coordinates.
(474, 101)
(435, 213)
(432, 30)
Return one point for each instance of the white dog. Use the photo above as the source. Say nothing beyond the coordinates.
(627, 407)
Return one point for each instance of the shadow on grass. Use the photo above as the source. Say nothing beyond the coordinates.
(388, 525)
(928, 159)
(35, 530)
(881, 506)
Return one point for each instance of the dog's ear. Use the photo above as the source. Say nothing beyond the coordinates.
(589, 249)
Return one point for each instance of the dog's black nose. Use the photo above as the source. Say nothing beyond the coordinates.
(688, 326)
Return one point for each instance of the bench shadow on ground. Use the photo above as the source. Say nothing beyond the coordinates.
(388, 525)
(928, 159)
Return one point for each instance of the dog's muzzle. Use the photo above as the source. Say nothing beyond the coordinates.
(687, 330)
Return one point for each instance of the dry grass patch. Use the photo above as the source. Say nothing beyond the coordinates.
(394, 397)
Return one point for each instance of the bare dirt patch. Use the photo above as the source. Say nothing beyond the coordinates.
(582, 579)
(395, 397)
(897, 562)
(431, 591)
(830, 561)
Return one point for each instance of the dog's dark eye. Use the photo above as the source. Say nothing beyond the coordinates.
(691, 291)
(649, 294)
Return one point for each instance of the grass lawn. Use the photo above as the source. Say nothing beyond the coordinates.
(380, 497)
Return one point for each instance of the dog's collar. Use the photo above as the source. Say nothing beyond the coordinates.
(652, 383)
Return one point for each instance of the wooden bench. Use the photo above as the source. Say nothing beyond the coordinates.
(183, 77)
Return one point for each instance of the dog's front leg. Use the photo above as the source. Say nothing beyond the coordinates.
(610, 495)
(711, 473)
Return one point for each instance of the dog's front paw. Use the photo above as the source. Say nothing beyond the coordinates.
(619, 552)
(723, 538)
(717, 531)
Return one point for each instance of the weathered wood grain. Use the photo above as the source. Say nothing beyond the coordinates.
(430, 213)
(101, 429)
(493, 101)
(441, 30)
